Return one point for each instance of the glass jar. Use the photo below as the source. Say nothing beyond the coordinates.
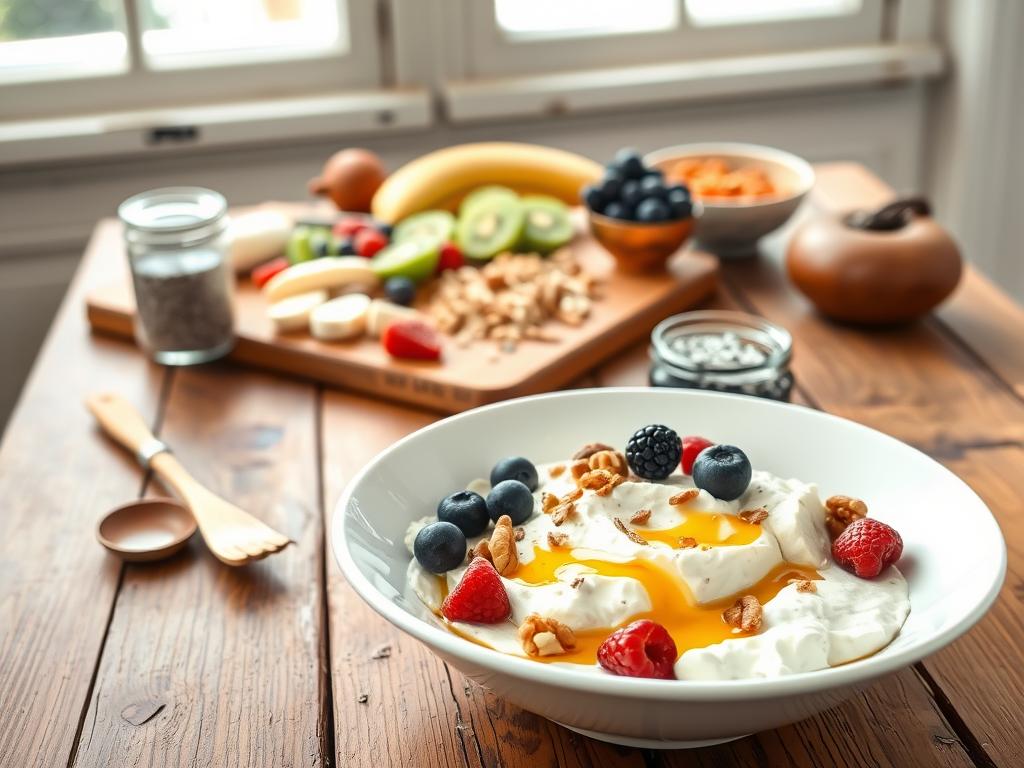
(183, 282)
(724, 352)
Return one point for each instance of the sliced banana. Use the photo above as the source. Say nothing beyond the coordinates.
(257, 237)
(292, 314)
(383, 312)
(328, 273)
(341, 318)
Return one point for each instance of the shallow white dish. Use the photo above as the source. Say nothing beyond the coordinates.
(954, 557)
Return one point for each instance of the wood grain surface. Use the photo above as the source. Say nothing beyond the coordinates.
(280, 663)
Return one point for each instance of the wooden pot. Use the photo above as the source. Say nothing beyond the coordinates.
(889, 266)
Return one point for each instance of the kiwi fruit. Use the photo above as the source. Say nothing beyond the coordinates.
(491, 227)
(437, 226)
(415, 259)
(486, 195)
(547, 226)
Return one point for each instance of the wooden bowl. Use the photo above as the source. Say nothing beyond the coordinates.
(639, 246)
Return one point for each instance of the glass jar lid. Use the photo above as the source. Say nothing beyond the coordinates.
(173, 214)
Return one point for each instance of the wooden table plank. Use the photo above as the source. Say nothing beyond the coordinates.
(55, 479)
(206, 664)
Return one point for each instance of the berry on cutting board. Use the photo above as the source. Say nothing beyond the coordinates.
(465, 509)
(261, 275)
(347, 227)
(641, 649)
(400, 290)
(692, 446)
(479, 596)
(411, 340)
(653, 452)
(723, 471)
(512, 498)
(368, 242)
(515, 468)
(439, 547)
(451, 257)
(867, 547)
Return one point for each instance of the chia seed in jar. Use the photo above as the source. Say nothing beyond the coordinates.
(183, 282)
(723, 352)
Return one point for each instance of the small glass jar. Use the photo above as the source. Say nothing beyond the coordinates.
(722, 351)
(183, 282)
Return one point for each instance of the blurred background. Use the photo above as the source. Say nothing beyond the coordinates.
(100, 99)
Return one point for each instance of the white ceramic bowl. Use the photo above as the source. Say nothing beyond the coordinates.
(732, 228)
(954, 557)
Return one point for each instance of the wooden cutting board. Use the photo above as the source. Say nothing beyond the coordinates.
(629, 307)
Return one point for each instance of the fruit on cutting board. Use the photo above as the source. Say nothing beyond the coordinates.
(292, 314)
(350, 178)
(261, 275)
(547, 226)
(414, 259)
(428, 225)
(340, 318)
(300, 246)
(486, 194)
(491, 227)
(256, 237)
(330, 273)
(440, 179)
(400, 290)
(369, 242)
(382, 313)
(411, 340)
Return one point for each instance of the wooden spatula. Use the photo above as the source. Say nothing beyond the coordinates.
(233, 535)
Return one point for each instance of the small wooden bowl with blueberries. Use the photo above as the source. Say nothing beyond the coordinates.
(636, 216)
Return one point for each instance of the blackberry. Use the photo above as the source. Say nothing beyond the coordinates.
(654, 451)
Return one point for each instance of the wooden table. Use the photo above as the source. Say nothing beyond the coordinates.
(190, 663)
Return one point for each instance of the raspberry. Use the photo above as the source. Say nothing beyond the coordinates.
(642, 649)
(692, 445)
(411, 340)
(479, 596)
(653, 452)
(451, 257)
(867, 547)
(368, 242)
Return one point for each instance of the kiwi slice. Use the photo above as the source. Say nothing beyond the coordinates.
(491, 227)
(428, 225)
(485, 195)
(415, 259)
(547, 224)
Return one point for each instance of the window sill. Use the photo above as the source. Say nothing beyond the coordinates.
(166, 130)
(690, 81)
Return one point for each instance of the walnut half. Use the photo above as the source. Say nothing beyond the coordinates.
(545, 637)
(841, 511)
(744, 614)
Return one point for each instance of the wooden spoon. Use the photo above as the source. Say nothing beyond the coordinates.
(234, 536)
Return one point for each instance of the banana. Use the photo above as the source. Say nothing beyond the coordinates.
(328, 273)
(292, 314)
(340, 318)
(382, 312)
(440, 179)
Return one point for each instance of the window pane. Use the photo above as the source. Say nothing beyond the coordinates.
(60, 38)
(708, 13)
(566, 18)
(183, 33)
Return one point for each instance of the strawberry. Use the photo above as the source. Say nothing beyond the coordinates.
(867, 547)
(368, 241)
(411, 339)
(261, 275)
(692, 445)
(451, 257)
(641, 649)
(479, 596)
(348, 227)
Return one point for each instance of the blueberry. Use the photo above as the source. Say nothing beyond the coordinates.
(655, 173)
(593, 198)
(723, 471)
(465, 509)
(400, 290)
(678, 192)
(322, 247)
(611, 185)
(512, 498)
(384, 229)
(654, 451)
(515, 468)
(629, 163)
(618, 211)
(347, 248)
(652, 209)
(681, 210)
(652, 186)
(631, 194)
(439, 547)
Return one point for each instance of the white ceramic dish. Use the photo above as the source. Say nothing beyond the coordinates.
(732, 228)
(954, 557)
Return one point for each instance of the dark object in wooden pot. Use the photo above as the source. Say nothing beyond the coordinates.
(888, 266)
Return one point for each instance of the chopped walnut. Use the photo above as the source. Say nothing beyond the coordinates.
(576, 582)
(545, 637)
(557, 539)
(579, 469)
(633, 536)
(684, 497)
(503, 547)
(548, 501)
(744, 614)
(754, 516)
(687, 542)
(589, 450)
(482, 549)
(563, 512)
(640, 517)
(840, 511)
(804, 585)
(520, 533)
(613, 461)
(574, 495)
(557, 470)
(601, 481)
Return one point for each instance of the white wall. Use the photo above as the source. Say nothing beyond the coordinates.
(46, 214)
